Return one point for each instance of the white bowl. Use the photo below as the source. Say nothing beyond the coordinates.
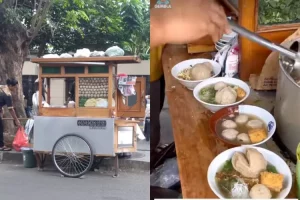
(271, 157)
(261, 113)
(186, 64)
(215, 107)
(228, 37)
(221, 44)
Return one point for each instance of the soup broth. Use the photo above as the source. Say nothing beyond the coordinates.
(240, 128)
(221, 93)
(228, 176)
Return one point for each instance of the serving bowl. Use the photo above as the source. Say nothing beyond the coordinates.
(260, 113)
(271, 158)
(232, 81)
(228, 37)
(186, 64)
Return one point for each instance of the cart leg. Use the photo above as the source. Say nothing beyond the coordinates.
(116, 166)
(40, 158)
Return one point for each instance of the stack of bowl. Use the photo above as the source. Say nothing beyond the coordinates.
(225, 40)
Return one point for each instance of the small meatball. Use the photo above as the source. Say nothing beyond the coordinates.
(220, 85)
(230, 134)
(243, 138)
(260, 191)
(240, 93)
(231, 115)
(255, 124)
(229, 124)
(241, 119)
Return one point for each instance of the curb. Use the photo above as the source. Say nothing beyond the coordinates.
(107, 163)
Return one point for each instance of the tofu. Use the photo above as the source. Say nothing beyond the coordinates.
(240, 93)
(257, 135)
(272, 180)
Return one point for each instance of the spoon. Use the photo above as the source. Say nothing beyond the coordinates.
(295, 56)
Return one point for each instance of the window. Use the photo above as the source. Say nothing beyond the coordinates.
(74, 70)
(51, 70)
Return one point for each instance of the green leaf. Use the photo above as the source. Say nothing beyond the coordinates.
(271, 168)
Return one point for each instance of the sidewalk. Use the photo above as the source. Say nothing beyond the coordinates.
(139, 161)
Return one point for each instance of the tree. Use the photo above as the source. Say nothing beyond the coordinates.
(136, 18)
(108, 23)
(20, 22)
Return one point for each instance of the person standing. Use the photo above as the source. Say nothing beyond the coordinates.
(6, 100)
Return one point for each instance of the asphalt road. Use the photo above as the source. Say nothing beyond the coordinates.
(29, 184)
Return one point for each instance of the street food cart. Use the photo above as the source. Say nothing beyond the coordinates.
(74, 131)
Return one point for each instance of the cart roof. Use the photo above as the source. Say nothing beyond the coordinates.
(116, 60)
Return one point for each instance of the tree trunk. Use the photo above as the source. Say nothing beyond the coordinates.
(13, 52)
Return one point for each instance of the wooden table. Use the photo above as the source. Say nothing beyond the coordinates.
(195, 145)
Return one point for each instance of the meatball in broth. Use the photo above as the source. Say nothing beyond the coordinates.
(241, 119)
(255, 124)
(230, 134)
(229, 124)
(243, 138)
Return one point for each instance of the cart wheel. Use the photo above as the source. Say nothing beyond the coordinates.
(72, 155)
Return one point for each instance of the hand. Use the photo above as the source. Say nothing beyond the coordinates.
(17, 123)
(190, 20)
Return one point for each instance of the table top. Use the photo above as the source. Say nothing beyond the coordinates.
(196, 146)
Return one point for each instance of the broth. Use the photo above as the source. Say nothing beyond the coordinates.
(241, 128)
(208, 93)
(227, 176)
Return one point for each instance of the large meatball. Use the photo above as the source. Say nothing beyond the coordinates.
(226, 95)
(201, 71)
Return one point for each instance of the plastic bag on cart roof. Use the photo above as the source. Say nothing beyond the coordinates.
(21, 140)
(82, 53)
(114, 51)
(66, 55)
(97, 54)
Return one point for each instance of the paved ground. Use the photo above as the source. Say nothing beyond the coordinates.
(19, 183)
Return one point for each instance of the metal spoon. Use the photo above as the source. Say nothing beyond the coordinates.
(295, 56)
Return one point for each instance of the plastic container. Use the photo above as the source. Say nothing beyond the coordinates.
(29, 160)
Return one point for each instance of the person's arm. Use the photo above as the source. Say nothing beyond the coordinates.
(11, 110)
(187, 21)
(157, 27)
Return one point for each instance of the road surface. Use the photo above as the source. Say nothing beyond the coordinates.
(17, 183)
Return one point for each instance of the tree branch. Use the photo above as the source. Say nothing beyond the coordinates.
(39, 17)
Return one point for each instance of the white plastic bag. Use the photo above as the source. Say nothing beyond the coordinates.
(51, 56)
(165, 175)
(97, 54)
(102, 103)
(82, 53)
(232, 60)
(66, 55)
(114, 51)
(28, 126)
(139, 132)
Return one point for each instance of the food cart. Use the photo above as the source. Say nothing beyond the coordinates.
(76, 131)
